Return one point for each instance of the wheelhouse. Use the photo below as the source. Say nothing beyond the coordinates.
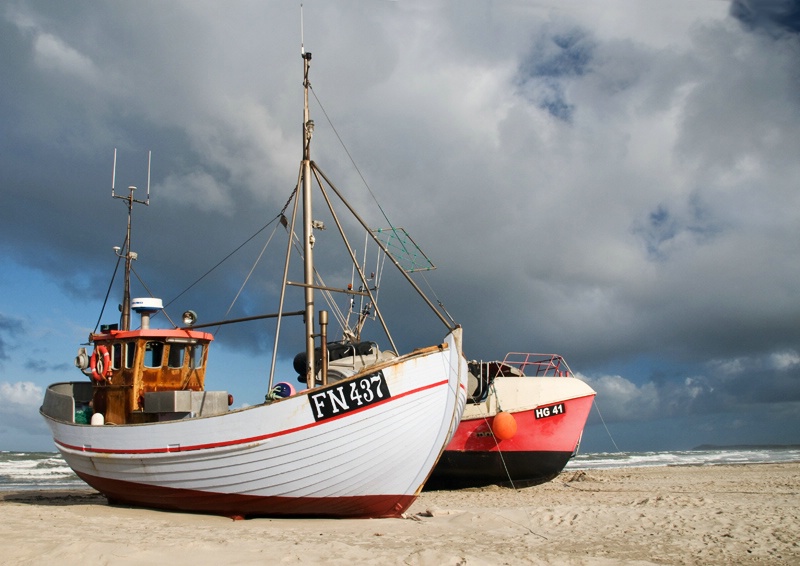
(128, 366)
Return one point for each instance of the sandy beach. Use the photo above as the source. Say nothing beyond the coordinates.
(745, 514)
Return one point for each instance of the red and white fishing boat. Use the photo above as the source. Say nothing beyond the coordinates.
(360, 441)
(522, 424)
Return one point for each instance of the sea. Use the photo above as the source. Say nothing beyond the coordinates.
(48, 470)
(701, 456)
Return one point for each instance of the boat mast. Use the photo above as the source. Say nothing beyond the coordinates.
(125, 317)
(308, 234)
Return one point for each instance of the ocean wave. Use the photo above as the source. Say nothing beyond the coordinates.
(697, 457)
(40, 470)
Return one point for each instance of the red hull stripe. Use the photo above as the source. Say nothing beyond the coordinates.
(238, 441)
(241, 505)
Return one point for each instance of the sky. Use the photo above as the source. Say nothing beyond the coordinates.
(613, 181)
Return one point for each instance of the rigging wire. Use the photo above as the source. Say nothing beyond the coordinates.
(223, 260)
(602, 420)
(349, 156)
(438, 300)
(374, 198)
(207, 273)
(503, 460)
(328, 296)
(497, 444)
(252, 269)
(149, 292)
(108, 292)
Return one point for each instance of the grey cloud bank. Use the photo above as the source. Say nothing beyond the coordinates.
(619, 184)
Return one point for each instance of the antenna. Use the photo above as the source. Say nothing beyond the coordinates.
(130, 198)
(114, 172)
(302, 46)
(148, 175)
(130, 256)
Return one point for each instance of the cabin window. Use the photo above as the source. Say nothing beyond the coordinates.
(130, 354)
(153, 354)
(176, 353)
(196, 356)
(116, 355)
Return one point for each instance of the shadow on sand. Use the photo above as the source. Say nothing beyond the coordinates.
(54, 497)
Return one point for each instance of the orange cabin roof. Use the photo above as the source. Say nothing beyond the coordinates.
(156, 333)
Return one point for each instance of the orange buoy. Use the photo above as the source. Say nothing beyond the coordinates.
(504, 426)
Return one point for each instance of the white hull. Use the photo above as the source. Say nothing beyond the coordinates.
(276, 459)
(515, 395)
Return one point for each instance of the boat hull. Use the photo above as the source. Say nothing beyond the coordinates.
(550, 414)
(319, 453)
(241, 505)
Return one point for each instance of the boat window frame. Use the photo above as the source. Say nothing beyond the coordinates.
(130, 354)
(195, 354)
(116, 355)
(176, 350)
(149, 347)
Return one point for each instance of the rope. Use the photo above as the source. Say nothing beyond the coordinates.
(149, 292)
(246, 279)
(206, 274)
(369, 189)
(223, 260)
(108, 292)
(497, 444)
(335, 309)
(602, 420)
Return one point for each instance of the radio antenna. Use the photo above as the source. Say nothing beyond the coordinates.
(130, 198)
(149, 154)
(126, 253)
(302, 46)
(114, 172)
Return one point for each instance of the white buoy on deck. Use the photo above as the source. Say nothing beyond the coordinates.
(98, 419)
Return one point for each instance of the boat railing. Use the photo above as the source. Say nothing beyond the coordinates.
(538, 365)
(66, 401)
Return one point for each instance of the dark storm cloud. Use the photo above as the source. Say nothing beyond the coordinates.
(611, 182)
(743, 384)
(773, 16)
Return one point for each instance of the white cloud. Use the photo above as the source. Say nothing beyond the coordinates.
(619, 399)
(50, 51)
(23, 394)
(199, 190)
(21, 426)
(53, 54)
(785, 360)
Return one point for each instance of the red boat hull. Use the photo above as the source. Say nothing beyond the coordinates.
(247, 506)
(545, 440)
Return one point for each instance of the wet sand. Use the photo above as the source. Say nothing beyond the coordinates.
(744, 514)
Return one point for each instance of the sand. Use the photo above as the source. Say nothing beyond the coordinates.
(745, 514)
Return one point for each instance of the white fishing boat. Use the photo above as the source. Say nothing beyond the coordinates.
(359, 441)
(523, 422)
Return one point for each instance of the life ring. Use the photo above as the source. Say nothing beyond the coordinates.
(100, 363)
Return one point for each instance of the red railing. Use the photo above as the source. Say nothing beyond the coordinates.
(538, 365)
